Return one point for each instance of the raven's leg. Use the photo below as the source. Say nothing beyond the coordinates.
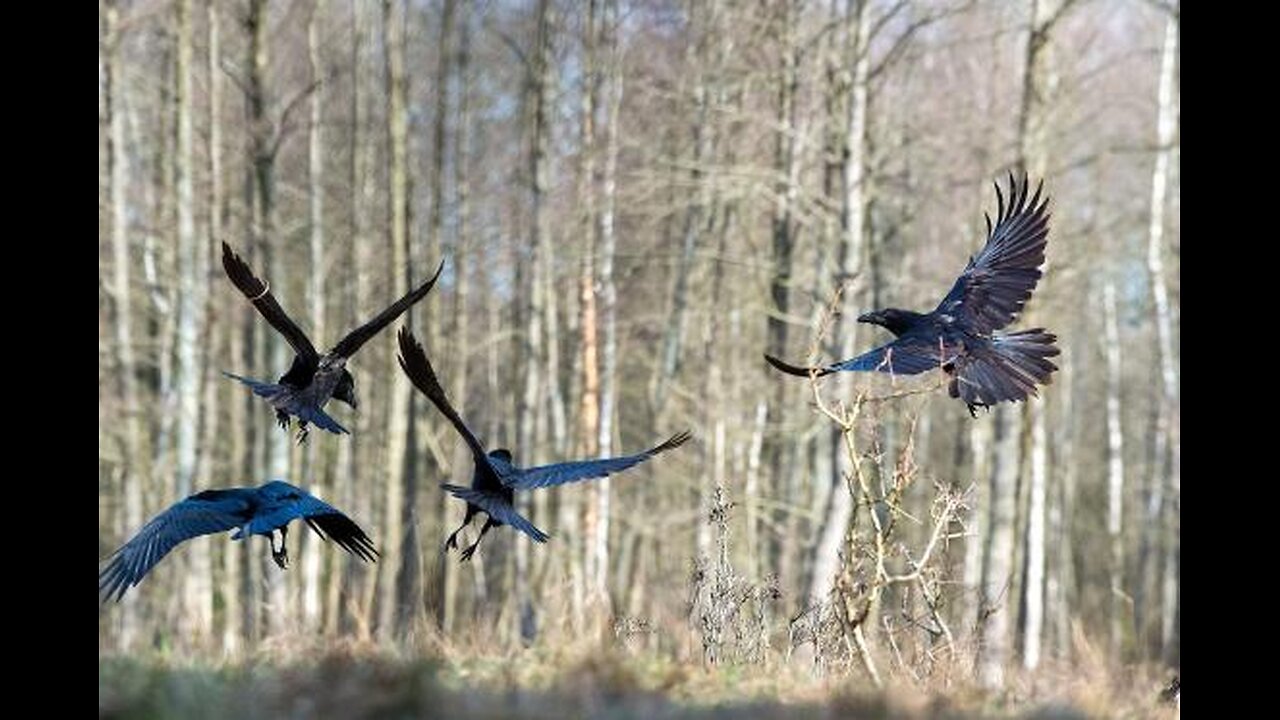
(452, 542)
(281, 556)
(468, 552)
(282, 419)
(302, 431)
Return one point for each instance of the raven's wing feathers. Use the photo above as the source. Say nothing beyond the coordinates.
(205, 513)
(348, 345)
(998, 281)
(1007, 368)
(416, 365)
(259, 293)
(906, 355)
(567, 472)
(322, 517)
(498, 508)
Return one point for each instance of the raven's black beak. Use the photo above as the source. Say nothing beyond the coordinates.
(871, 317)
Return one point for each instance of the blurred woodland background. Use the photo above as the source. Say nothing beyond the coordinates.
(634, 200)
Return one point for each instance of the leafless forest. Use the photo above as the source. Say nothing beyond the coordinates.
(634, 201)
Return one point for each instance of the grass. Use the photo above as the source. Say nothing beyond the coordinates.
(350, 681)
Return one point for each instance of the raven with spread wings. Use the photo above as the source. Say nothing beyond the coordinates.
(312, 378)
(249, 511)
(962, 336)
(496, 476)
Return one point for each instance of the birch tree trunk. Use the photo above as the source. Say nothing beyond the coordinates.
(608, 295)
(134, 466)
(1168, 426)
(1115, 473)
(582, 560)
(312, 552)
(850, 263)
(462, 462)
(197, 616)
(397, 561)
(787, 167)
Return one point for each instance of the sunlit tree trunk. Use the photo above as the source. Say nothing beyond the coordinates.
(398, 560)
(197, 616)
(850, 263)
(1117, 607)
(118, 173)
(786, 159)
(460, 338)
(1168, 425)
(608, 294)
(312, 462)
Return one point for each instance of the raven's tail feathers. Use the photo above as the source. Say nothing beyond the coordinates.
(1007, 369)
(322, 420)
(260, 388)
(796, 370)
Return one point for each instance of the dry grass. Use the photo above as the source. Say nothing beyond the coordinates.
(351, 680)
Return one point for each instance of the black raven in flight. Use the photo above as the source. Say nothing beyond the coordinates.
(249, 511)
(312, 378)
(961, 336)
(496, 476)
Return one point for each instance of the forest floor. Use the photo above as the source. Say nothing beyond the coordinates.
(351, 681)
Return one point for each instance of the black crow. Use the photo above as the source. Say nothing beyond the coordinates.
(249, 511)
(496, 476)
(961, 336)
(312, 378)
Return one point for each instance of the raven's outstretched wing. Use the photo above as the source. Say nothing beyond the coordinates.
(1005, 368)
(326, 520)
(498, 508)
(414, 362)
(905, 356)
(259, 293)
(998, 281)
(204, 513)
(567, 472)
(348, 345)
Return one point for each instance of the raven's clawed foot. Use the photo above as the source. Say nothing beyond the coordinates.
(281, 557)
(452, 542)
(282, 419)
(302, 433)
(468, 551)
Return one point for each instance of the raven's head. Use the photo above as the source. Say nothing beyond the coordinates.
(892, 319)
(502, 454)
(345, 390)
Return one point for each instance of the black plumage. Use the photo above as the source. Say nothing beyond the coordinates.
(312, 378)
(249, 511)
(962, 336)
(496, 476)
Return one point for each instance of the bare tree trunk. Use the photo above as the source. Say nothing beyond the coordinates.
(582, 564)
(197, 616)
(1033, 618)
(462, 464)
(696, 56)
(1168, 427)
(1115, 473)
(262, 155)
(363, 460)
(118, 172)
(398, 561)
(540, 98)
(608, 292)
(311, 609)
(787, 166)
(997, 579)
(232, 625)
(851, 253)
(980, 437)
